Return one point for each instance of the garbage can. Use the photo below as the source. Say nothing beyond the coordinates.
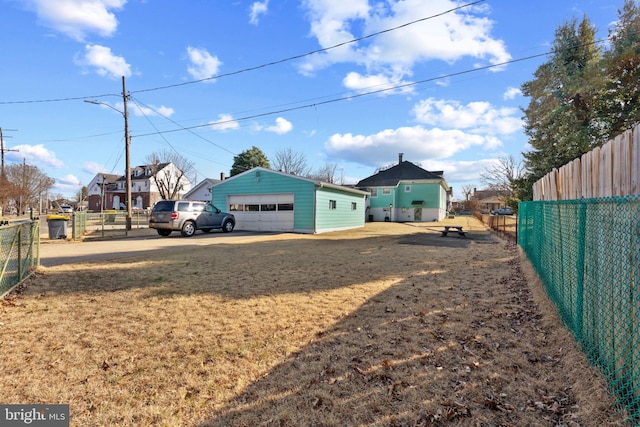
(57, 226)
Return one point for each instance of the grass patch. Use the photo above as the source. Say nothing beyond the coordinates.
(390, 325)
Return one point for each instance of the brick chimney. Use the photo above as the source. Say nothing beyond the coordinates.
(221, 176)
(400, 157)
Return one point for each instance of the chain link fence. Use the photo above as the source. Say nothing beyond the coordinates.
(19, 252)
(587, 255)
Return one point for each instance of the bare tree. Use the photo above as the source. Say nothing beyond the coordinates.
(467, 191)
(293, 162)
(501, 175)
(28, 185)
(326, 173)
(169, 182)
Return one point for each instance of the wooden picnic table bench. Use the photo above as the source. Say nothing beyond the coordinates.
(458, 228)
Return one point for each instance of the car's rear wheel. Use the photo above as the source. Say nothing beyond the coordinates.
(228, 225)
(188, 229)
(163, 232)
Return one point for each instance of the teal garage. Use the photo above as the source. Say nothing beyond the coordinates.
(266, 200)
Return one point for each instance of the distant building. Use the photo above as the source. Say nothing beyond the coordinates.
(406, 192)
(108, 191)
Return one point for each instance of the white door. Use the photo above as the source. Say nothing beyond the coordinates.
(262, 212)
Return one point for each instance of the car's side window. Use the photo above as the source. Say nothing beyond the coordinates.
(183, 207)
(198, 207)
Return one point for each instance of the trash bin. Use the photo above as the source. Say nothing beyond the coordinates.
(57, 226)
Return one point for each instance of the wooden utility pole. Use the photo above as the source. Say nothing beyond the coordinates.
(127, 142)
(2, 150)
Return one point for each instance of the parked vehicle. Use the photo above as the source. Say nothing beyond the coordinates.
(187, 216)
(65, 209)
(503, 211)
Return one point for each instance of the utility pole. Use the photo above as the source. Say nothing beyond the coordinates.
(2, 149)
(127, 142)
(3, 176)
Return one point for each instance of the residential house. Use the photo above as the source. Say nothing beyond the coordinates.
(406, 192)
(490, 200)
(108, 191)
(266, 200)
(202, 190)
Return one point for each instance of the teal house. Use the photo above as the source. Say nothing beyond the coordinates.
(266, 200)
(405, 193)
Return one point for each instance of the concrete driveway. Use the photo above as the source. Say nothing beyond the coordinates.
(138, 242)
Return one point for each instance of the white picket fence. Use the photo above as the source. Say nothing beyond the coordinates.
(610, 170)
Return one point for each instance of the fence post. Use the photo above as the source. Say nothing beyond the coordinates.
(582, 221)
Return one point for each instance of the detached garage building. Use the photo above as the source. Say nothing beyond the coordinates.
(266, 200)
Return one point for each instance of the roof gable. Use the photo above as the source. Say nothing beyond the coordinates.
(401, 172)
(255, 172)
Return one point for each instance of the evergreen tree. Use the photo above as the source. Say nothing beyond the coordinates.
(249, 159)
(620, 101)
(559, 119)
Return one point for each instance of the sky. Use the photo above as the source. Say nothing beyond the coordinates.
(345, 83)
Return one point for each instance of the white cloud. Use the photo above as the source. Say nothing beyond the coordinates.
(225, 122)
(459, 171)
(104, 62)
(511, 93)
(68, 184)
(94, 168)
(449, 37)
(416, 142)
(203, 64)
(368, 83)
(257, 9)
(35, 155)
(152, 110)
(77, 18)
(281, 127)
(477, 117)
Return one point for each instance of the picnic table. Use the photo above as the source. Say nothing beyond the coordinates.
(458, 228)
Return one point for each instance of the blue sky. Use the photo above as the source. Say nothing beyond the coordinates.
(210, 79)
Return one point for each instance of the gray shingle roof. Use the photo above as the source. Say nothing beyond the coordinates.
(400, 172)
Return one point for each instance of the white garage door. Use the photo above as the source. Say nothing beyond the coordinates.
(263, 212)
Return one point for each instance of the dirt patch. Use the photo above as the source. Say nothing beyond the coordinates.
(390, 325)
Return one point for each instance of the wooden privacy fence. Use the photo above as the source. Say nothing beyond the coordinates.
(610, 170)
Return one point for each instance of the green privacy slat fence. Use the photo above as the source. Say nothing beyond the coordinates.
(19, 253)
(587, 254)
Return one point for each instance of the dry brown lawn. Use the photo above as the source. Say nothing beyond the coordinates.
(390, 325)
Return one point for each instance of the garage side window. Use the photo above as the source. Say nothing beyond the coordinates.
(269, 207)
(252, 208)
(236, 207)
(332, 204)
(285, 206)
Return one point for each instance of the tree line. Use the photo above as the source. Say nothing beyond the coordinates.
(583, 96)
(287, 161)
(24, 187)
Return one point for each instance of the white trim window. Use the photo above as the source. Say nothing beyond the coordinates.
(386, 191)
(407, 189)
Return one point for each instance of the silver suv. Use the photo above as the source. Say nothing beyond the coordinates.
(187, 216)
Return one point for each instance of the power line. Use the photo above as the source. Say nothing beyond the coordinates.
(257, 67)
(313, 52)
(354, 96)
